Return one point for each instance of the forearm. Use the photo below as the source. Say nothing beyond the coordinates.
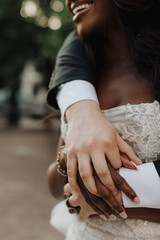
(75, 91)
(71, 64)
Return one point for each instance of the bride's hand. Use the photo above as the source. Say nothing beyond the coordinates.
(102, 204)
(90, 139)
(105, 203)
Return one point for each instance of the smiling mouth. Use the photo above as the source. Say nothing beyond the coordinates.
(81, 6)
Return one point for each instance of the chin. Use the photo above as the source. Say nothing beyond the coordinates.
(84, 31)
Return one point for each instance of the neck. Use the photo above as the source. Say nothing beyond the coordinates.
(116, 54)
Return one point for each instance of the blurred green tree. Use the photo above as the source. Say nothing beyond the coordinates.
(27, 34)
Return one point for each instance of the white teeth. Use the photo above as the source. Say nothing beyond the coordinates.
(81, 7)
(72, 5)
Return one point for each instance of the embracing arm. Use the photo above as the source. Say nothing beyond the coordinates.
(63, 61)
(71, 64)
(56, 183)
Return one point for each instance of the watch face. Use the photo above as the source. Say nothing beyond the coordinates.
(134, 5)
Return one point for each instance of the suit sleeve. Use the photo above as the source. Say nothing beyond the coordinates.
(71, 64)
(157, 166)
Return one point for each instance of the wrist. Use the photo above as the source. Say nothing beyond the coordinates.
(84, 107)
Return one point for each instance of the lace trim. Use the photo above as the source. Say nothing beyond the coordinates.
(139, 125)
(129, 229)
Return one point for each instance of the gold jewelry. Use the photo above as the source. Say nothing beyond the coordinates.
(62, 171)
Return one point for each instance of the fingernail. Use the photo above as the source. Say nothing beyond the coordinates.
(137, 200)
(135, 166)
(112, 217)
(123, 214)
(103, 217)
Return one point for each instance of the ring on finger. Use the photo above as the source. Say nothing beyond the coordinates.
(69, 205)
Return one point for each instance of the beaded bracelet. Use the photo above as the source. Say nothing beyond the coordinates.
(58, 164)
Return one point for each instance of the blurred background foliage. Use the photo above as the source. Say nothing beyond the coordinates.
(31, 31)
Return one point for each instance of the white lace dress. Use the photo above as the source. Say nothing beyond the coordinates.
(139, 125)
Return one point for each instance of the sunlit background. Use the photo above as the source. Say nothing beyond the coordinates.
(31, 33)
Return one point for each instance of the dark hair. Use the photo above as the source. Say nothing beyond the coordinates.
(134, 5)
(143, 34)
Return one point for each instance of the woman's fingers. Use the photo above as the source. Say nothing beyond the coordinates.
(122, 184)
(126, 149)
(72, 171)
(86, 172)
(113, 155)
(101, 168)
(67, 190)
(77, 204)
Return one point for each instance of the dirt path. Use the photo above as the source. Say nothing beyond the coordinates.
(25, 201)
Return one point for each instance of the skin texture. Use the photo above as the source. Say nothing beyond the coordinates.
(88, 204)
(98, 138)
(90, 137)
(102, 136)
(92, 23)
(91, 205)
(104, 203)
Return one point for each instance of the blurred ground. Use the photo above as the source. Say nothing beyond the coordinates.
(25, 201)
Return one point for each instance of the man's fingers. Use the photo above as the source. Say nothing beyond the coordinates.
(74, 200)
(86, 173)
(126, 149)
(72, 172)
(89, 199)
(67, 190)
(103, 172)
(85, 212)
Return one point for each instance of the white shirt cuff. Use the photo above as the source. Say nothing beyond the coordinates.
(145, 182)
(75, 91)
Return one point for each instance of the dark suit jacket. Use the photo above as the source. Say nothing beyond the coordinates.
(71, 64)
